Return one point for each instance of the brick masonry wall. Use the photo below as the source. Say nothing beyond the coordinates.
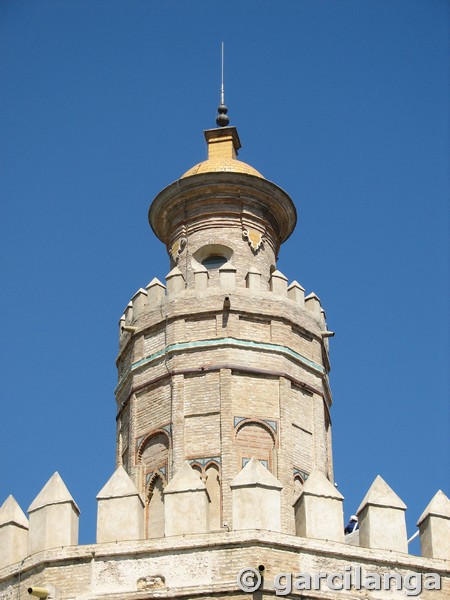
(189, 392)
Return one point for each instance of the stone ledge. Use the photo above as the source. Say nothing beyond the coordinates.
(223, 541)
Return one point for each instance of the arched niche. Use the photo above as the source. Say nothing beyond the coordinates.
(210, 251)
(255, 439)
(153, 456)
(153, 452)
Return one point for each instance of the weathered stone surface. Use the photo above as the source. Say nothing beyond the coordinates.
(155, 292)
(318, 509)
(296, 293)
(186, 503)
(139, 302)
(312, 304)
(381, 517)
(253, 279)
(434, 527)
(179, 565)
(53, 517)
(120, 511)
(278, 283)
(13, 533)
(175, 282)
(227, 276)
(201, 278)
(256, 498)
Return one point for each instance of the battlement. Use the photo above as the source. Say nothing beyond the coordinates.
(156, 294)
(318, 510)
(205, 565)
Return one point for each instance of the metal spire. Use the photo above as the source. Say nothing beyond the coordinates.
(222, 119)
(222, 89)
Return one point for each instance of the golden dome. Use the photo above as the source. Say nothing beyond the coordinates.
(225, 164)
(223, 146)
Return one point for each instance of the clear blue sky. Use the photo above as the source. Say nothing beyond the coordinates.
(343, 103)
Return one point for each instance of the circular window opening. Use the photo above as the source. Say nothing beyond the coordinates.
(215, 261)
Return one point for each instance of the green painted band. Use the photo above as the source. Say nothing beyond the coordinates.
(222, 342)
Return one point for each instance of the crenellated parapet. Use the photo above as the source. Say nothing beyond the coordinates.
(256, 506)
(280, 315)
(142, 310)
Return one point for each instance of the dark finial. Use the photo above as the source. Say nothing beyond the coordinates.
(222, 118)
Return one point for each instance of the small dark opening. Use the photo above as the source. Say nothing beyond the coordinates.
(215, 261)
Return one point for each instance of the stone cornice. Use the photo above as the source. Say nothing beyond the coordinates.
(232, 190)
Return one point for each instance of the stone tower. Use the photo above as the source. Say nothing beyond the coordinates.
(227, 361)
(224, 478)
